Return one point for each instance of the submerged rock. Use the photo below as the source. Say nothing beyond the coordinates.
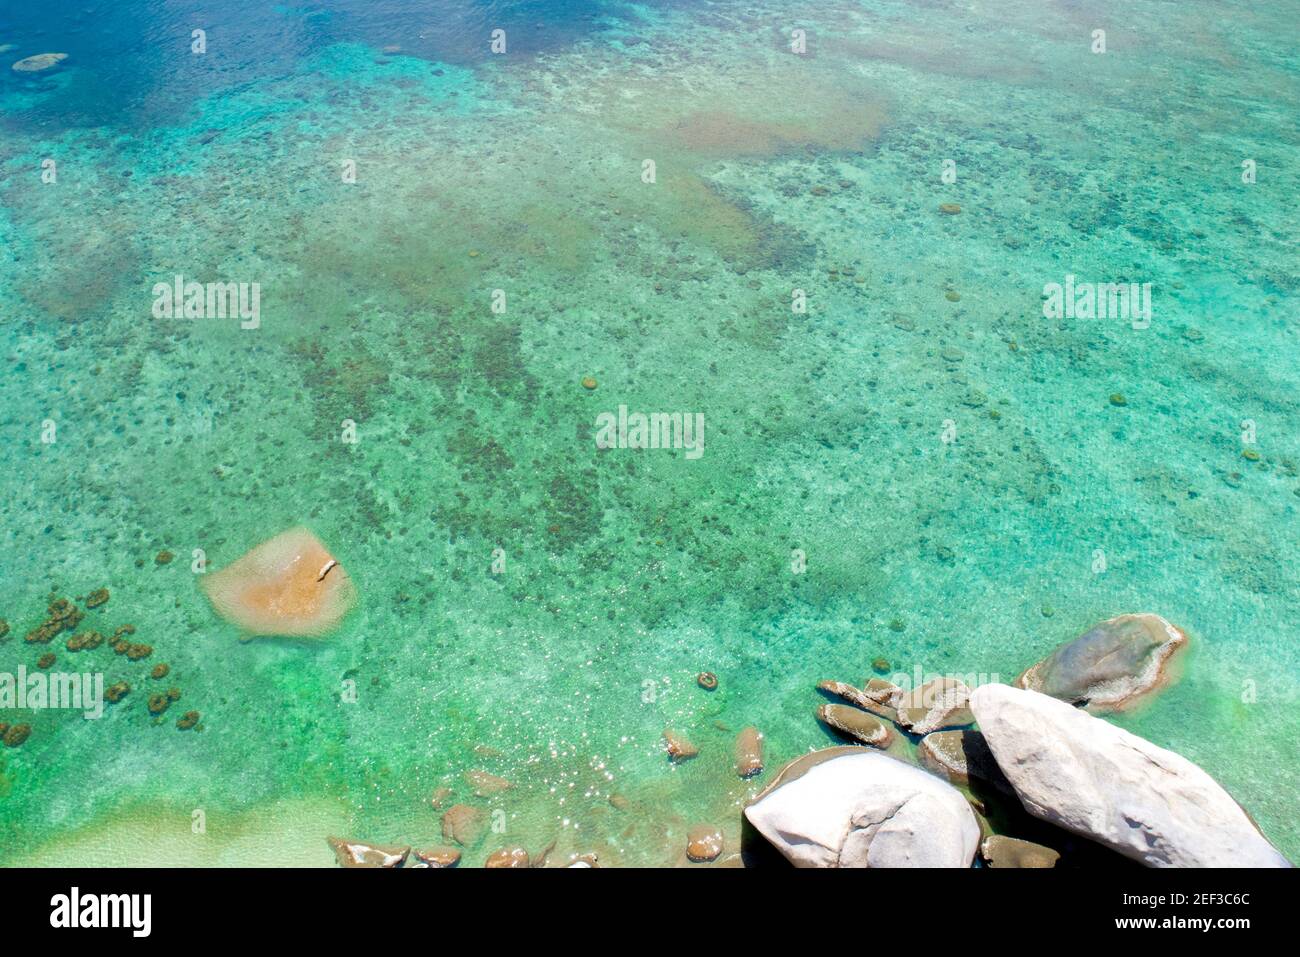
(941, 752)
(857, 724)
(851, 807)
(359, 854)
(1112, 666)
(679, 749)
(289, 585)
(438, 856)
(463, 824)
(703, 843)
(507, 857)
(485, 784)
(1002, 851)
(40, 62)
(941, 703)
(15, 734)
(1088, 776)
(749, 752)
(864, 699)
(882, 691)
(959, 755)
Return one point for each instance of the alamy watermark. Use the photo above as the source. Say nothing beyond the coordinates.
(75, 909)
(213, 300)
(53, 689)
(919, 678)
(1098, 300)
(656, 430)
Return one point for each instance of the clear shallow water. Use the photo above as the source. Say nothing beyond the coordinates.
(823, 430)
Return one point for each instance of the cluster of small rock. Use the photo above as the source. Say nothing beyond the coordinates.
(63, 614)
(1075, 783)
(464, 825)
(704, 842)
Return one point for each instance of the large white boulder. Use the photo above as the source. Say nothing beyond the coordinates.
(851, 807)
(1090, 777)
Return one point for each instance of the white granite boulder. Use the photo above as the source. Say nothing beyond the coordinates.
(1090, 777)
(853, 807)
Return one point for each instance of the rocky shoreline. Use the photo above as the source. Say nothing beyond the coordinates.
(1022, 775)
(1032, 759)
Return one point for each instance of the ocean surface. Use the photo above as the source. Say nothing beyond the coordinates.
(918, 466)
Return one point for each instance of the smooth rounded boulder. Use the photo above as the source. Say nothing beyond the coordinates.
(438, 856)
(1002, 851)
(856, 724)
(508, 857)
(853, 807)
(1111, 666)
(360, 854)
(1088, 776)
(749, 752)
(703, 843)
(464, 824)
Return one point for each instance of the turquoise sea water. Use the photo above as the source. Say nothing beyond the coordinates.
(626, 571)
